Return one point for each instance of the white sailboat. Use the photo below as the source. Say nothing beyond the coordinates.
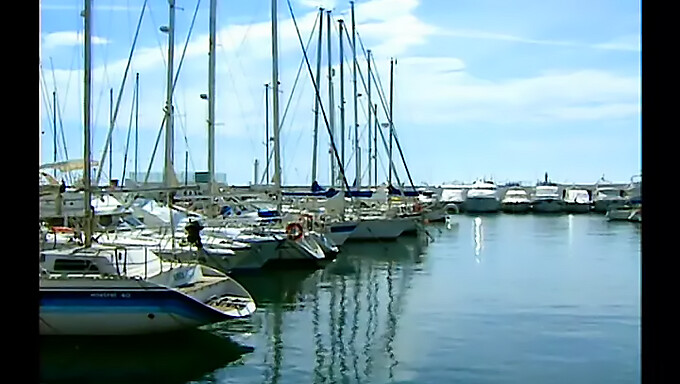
(84, 295)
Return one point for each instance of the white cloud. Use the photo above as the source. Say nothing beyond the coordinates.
(429, 90)
(326, 4)
(69, 38)
(625, 43)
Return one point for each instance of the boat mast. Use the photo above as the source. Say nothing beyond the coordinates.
(136, 125)
(341, 24)
(389, 180)
(170, 178)
(54, 130)
(331, 108)
(370, 110)
(375, 144)
(111, 127)
(275, 106)
(266, 129)
(211, 98)
(316, 99)
(169, 129)
(357, 150)
(86, 124)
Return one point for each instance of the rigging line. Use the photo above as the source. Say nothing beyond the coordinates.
(285, 112)
(300, 132)
(56, 101)
(160, 44)
(58, 110)
(127, 141)
(318, 96)
(174, 85)
(222, 49)
(382, 101)
(297, 77)
(112, 123)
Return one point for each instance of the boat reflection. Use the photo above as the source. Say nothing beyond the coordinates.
(479, 237)
(163, 358)
(348, 313)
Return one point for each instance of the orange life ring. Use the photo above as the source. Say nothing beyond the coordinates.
(62, 230)
(294, 231)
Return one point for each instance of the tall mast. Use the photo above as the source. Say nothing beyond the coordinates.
(86, 124)
(211, 98)
(169, 129)
(357, 150)
(375, 144)
(331, 106)
(54, 129)
(316, 98)
(275, 106)
(370, 110)
(170, 178)
(342, 103)
(136, 124)
(266, 129)
(111, 141)
(389, 180)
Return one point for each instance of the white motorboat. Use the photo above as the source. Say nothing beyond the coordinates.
(606, 198)
(516, 200)
(452, 194)
(577, 200)
(547, 199)
(628, 212)
(482, 198)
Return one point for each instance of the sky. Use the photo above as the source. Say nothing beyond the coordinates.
(481, 88)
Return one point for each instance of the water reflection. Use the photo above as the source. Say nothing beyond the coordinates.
(167, 358)
(477, 227)
(348, 314)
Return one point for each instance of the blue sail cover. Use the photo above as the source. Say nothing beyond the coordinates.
(367, 193)
(395, 191)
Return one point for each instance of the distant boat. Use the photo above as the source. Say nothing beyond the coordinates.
(606, 198)
(482, 197)
(452, 194)
(547, 199)
(625, 213)
(577, 200)
(516, 200)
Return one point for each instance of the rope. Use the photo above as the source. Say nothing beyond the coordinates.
(120, 96)
(316, 89)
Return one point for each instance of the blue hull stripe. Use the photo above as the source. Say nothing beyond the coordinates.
(128, 301)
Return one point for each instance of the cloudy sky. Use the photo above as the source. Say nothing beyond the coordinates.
(482, 88)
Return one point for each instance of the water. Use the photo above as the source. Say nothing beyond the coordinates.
(493, 299)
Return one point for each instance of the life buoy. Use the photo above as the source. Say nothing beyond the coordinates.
(294, 231)
(62, 230)
(417, 207)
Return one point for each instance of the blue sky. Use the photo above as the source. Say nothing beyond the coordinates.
(483, 88)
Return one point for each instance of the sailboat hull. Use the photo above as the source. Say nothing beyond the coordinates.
(118, 307)
(374, 229)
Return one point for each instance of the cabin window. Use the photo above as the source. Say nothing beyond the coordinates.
(71, 265)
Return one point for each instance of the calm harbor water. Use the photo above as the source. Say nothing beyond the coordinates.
(493, 299)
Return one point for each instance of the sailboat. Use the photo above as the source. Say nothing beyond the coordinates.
(84, 295)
